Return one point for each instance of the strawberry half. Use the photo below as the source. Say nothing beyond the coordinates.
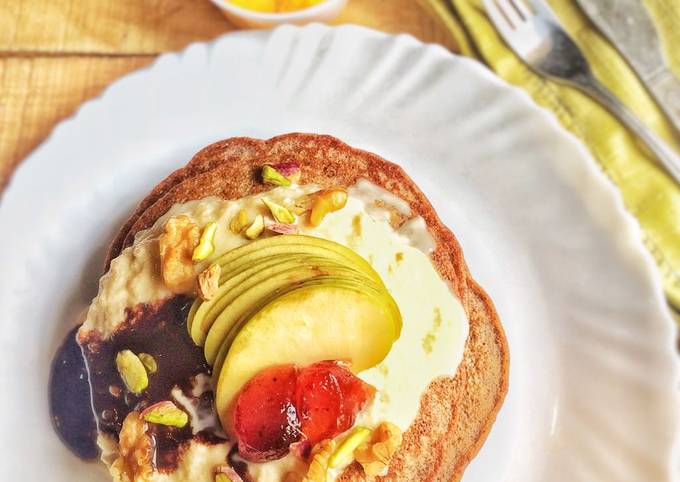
(282, 405)
(265, 419)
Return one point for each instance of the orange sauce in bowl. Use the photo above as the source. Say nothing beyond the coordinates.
(275, 6)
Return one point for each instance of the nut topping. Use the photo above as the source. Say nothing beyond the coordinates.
(289, 169)
(177, 245)
(208, 282)
(165, 413)
(375, 454)
(239, 222)
(344, 454)
(135, 451)
(224, 473)
(281, 214)
(279, 228)
(255, 229)
(205, 246)
(132, 371)
(318, 468)
(149, 363)
(270, 175)
(324, 202)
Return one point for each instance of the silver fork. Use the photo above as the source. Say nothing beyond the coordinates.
(533, 32)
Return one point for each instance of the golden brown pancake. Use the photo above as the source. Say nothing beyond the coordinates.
(456, 414)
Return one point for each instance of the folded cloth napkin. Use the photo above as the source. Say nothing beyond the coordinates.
(650, 194)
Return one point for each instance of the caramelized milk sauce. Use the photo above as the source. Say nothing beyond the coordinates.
(86, 391)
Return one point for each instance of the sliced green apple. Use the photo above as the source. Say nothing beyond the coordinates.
(208, 311)
(355, 284)
(294, 243)
(259, 292)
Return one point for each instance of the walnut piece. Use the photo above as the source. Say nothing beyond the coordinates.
(135, 451)
(375, 455)
(177, 244)
(209, 281)
(318, 468)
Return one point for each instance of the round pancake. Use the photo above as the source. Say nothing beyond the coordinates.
(456, 414)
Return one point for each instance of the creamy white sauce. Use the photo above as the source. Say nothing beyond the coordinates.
(368, 192)
(200, 419)
(415, 230)
(434, 323)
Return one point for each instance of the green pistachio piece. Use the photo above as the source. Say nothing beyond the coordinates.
(255, 228)
(132, 371)
(239, 222)
(281, 214)
(149, 363)
(205, 245)
(165, 413)
(224, 473)
(344, 454)
(271, 176)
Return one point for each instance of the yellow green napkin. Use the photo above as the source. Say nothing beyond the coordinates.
(649, 193)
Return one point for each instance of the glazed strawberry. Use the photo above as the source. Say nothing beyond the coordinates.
(283, 405)
(327, 399)
(265, 420)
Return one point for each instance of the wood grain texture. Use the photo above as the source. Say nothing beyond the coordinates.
(36, 93)
(155, 26)
(54, 54)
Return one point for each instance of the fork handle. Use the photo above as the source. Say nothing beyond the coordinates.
(668, 158)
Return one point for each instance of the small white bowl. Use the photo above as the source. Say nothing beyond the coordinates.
(242, 17)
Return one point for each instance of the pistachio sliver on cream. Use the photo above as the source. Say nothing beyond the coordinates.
(281, 214)
(205, 245)
(256, 228)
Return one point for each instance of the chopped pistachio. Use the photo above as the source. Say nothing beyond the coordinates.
(149, 363)
(225, 473)
(302, 204)
(281, 214)
(271, 176)
(344, 454)
(165, 413)
(255, 228)
(291, 170)
(280, 228)
(205, 245)
(132, 371)
(239, 222)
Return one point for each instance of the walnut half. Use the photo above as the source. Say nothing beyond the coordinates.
(177, 244)
(375, 455)
(318, 468)
(135, 451)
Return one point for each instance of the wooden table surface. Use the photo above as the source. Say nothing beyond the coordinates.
(54, 54)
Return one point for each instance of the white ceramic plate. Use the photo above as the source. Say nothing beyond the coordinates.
(593, 383)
